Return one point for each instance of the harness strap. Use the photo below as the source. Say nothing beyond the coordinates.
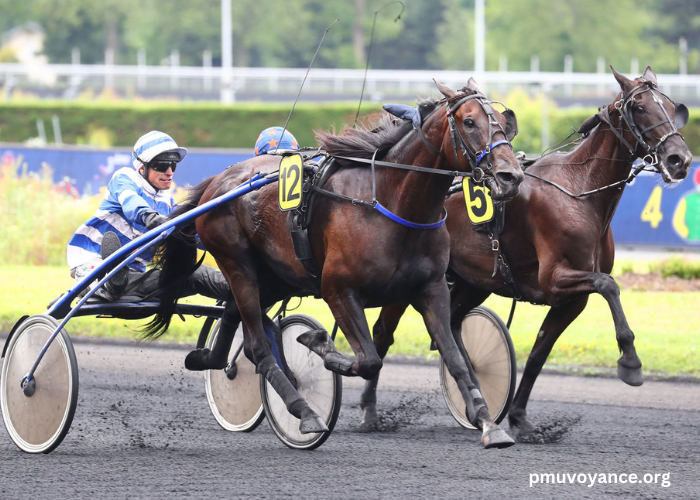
(418, 129)
(453, 173)
(338, 196)
(490, 147)
(414, 225)
(629, 179)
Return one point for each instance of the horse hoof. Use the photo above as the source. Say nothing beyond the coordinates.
(520, 428)
(370, 419)
(312, 423)
(497, 438)
(317, 341)
(630, 376)
(198, 360)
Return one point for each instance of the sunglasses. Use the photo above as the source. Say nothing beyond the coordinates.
(163, 166)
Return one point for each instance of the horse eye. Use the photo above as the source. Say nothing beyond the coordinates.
(639, 109)
(470, 123)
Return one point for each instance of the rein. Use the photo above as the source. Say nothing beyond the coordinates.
(651, 159)
(629, 179)
(474, 158)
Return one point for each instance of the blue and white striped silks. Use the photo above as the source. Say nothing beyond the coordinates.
(127, 198)
(151, 145)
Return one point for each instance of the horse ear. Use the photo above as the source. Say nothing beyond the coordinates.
(589, 124)
(471, 84)
(625, 83)
(649, 75)
(681, 116)
(445, 90)
(511, 124)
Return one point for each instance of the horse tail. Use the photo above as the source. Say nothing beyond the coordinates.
(177, 260)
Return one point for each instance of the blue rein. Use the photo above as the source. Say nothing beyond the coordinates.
(489, 148)
(414, 225)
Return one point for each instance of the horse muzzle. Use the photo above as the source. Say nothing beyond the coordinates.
(674, 162)
(504, 185)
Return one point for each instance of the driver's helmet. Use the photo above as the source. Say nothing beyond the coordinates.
(271, 138)
(154, 144)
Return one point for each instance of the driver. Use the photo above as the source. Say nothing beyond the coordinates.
(137, 200)
(271, 138)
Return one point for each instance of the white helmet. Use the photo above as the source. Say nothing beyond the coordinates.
(151, 145)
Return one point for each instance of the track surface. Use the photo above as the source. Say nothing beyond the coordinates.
(143, 430)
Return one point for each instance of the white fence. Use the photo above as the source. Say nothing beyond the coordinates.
(69, 80)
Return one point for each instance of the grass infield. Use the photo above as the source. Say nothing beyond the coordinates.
(665, 323)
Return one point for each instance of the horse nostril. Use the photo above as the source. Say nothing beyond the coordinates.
(674, 161)
(506, 178)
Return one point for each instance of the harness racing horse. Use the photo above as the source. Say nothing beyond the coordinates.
(366, 254)
(557, 238)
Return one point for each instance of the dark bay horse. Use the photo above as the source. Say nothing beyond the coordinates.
(366, 259)
(559, 246)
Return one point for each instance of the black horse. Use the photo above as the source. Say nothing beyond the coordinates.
(365, 257)
(557, 238)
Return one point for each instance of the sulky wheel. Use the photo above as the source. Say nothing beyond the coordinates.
(487, 342)
(321, 388)
(234, 393)
(39, 422)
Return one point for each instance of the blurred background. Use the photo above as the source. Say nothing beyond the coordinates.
(80, 80)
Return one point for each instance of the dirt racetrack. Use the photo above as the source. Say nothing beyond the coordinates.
(143, 429)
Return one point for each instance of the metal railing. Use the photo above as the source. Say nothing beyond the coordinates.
(207, 82)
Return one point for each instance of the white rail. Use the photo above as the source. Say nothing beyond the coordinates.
(67, 80)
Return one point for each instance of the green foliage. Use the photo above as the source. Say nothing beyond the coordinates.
(677, 266)
(627, 267)
(554, 29)
(435, 34)
(237, 126)
(37, 218)
(7, 55)
(193, 125)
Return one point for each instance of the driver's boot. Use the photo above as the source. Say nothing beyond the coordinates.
(114, 288)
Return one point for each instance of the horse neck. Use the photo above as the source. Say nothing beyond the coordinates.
(416, 196)
(598, 162)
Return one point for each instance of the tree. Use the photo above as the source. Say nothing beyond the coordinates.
(552, 29)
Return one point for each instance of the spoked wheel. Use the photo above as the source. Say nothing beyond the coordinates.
(321, 388)
(234, 393)
(39, 422)
(487, 342)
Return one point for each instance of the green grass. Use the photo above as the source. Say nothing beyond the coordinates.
(665, 323)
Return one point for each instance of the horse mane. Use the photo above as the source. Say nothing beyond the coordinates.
(378, 135)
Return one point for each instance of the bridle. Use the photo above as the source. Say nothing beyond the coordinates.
(625, 107)
(475, 157)
(649, 156)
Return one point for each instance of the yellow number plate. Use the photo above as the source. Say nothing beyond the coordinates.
(289, 184)
(479, 202)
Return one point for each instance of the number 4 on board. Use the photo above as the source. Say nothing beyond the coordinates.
(651, 212)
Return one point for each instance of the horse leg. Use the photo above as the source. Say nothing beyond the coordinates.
(217, 357)
(383, 334)
(350, 315)
(570, 284)
(257, 346)
(463, 298)
(433, 305)
(557, 320)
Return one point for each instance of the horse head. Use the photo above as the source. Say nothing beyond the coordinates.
(483, 134)
(654, 119)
